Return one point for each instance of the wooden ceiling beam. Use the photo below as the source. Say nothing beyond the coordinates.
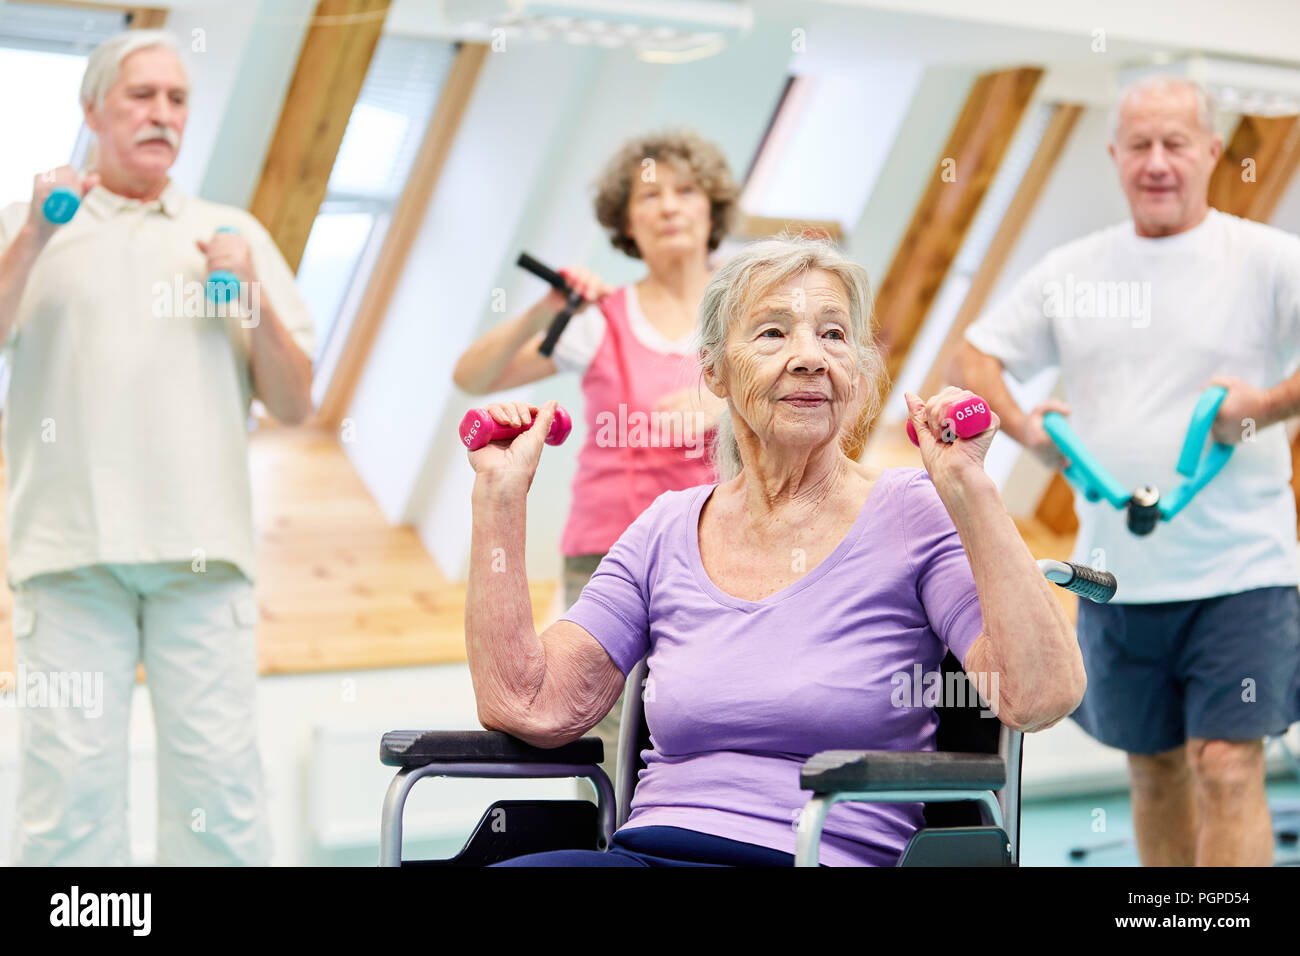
(326, 82)
(1004, 241)
(146, 18)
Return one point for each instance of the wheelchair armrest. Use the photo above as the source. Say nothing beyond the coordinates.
(419, 748)
(839, 770)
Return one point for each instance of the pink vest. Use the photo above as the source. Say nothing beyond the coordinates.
(632, 453)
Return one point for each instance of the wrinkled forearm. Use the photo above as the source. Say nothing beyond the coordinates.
(1283, 401)
(281, 372)
(15, 268)
(506, 659)
(481, 366)
(1027, 640)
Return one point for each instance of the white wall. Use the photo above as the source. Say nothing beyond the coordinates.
(906, 173)
(1265, 29)
(402, 413)
(257, 72)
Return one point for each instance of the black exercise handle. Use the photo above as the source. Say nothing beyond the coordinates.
(545, 273)
(558, 323)
(562, 317)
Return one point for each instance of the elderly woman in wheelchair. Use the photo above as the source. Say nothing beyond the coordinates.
(778, 608)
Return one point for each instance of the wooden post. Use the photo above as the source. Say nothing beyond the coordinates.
(146, 18)
(1004, 241)
(331, 70)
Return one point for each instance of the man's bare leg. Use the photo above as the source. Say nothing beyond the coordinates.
(1235, 829)
(1165, 808)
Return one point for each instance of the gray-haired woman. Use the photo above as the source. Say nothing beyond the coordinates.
(778, 606)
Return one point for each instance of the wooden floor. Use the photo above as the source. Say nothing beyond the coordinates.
(339, 588)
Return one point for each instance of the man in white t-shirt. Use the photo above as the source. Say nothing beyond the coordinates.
(1196, 659)
(130, 533)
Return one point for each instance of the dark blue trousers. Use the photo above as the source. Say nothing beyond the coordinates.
(661, 846)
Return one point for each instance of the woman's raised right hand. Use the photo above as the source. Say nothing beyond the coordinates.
(517, 458)
(585, 282)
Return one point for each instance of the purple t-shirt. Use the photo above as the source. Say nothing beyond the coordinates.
(741, 693)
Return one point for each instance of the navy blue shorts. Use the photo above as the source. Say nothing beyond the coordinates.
(661, 846)
(1220, 668)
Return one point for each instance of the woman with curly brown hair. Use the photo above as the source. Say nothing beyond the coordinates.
(668, 199)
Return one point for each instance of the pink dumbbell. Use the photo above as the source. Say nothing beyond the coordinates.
(478, 428)
(969, 417)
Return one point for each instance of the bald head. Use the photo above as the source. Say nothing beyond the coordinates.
(1165, 149)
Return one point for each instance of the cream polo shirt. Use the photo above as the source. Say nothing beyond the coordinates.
(126, 421)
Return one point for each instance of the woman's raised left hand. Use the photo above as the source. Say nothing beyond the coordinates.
(948, 461)
(514, 460)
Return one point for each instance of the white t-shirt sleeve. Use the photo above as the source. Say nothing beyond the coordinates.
(1287, 292)
(1016, 330)
(580, 341)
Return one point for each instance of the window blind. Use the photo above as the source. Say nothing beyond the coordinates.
(46, 29)
(390, 118)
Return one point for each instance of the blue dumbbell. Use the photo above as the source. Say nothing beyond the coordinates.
(61, 205)
(223, 285)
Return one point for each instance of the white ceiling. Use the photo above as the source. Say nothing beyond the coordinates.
(976, 32)
(1263, 29)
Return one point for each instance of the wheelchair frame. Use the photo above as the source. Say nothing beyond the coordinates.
(931, 777)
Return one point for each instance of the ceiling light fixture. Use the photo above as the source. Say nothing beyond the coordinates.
(659, 31)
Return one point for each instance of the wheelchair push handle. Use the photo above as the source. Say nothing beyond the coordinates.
(572, 304)
(1096, 586)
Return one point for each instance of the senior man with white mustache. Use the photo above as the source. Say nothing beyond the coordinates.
(129, 515)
